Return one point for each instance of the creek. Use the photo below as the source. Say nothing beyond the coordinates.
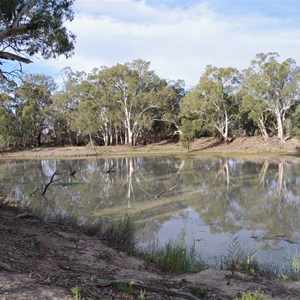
(218, 202)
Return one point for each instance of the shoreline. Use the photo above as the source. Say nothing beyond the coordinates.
(52, 260)
(202, 146)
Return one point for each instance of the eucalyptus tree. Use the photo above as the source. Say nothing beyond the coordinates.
(30, 27)
(34, 98)
(271, 87)
(64, 109)
(132, 96)
(107, 119)
(214, 101)
(8, 122)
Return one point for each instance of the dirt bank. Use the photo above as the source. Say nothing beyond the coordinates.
(41, 260)
(203, 145)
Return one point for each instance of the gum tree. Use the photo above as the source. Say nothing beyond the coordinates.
(34, 98)
(271, 87)
(29, 27)
(214, 101)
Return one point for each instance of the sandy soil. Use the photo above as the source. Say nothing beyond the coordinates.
(40, 260)
(202, 145)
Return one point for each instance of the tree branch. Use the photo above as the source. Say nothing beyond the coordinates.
(13, 57)
(17, 30)
(23, 11)
(51, 181)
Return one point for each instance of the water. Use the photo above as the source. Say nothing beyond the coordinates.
(214, 200)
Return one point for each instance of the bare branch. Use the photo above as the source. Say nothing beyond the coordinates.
(13, 57)
(17, 30)
(51, 181)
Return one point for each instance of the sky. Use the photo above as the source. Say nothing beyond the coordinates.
(179, 38)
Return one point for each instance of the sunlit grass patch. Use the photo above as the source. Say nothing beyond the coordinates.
(257, 295)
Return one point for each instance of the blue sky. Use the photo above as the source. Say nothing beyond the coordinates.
(179, 38)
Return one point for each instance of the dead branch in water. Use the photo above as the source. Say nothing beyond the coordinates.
(56, 173)
(51, 181)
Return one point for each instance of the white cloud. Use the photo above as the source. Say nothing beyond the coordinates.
(179, 42)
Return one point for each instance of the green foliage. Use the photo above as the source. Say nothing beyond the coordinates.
(130, 104)
(257, 295)
(76, 293)
(142, 295)
(214, 100)
(187, 133)
(270, 87)
(36, 242)
(126, 288)
(238, 260)
(176, 257)
(122, 234)
(34, 97)
(197, 291)
(111, 278)
(291, 268)
(39, 29)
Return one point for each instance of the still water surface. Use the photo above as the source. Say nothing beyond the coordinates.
(213, 200)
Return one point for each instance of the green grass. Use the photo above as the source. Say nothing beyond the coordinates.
(121, 235)
(175, 257)
(291, 269)
(197, 291)
(126, 288)
(257, 295)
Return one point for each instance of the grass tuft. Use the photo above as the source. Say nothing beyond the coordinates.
(122, 235)
(176, 257)
(257, 295)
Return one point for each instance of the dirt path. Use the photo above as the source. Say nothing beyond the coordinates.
(46, 260)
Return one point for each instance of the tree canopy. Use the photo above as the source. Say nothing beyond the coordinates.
(129, 104)
(29, 27)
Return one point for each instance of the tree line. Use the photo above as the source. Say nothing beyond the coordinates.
(130, 104)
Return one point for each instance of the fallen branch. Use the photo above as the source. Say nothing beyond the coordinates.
(149, 288)
(56, 173)
(24, 215)
(51, 181)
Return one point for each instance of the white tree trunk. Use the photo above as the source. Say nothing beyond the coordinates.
(263, 129)
(280, 133)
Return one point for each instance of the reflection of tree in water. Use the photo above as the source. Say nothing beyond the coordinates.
(239, 199)
(229, 194)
